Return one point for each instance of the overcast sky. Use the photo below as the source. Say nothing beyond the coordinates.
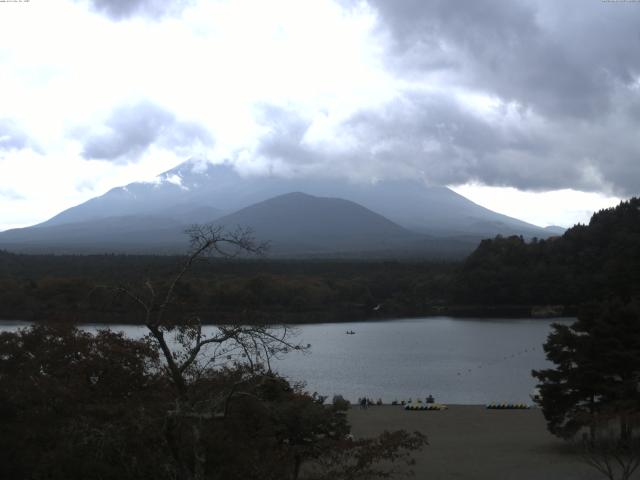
(530, 108)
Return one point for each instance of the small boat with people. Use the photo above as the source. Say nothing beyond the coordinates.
(350, 332)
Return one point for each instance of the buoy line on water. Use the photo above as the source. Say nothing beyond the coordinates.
(497, 362)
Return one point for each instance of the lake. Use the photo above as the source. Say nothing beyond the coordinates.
(458, 361)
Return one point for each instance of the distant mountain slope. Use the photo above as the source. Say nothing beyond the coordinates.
(294, 224)
(555, 230)
(409, 203)
(297, 222)
(130, 233)
(152, 214)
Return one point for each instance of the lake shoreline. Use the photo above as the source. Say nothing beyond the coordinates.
(462, 313)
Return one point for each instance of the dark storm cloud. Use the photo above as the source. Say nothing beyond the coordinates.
(428, 135)
(561, 58)
(12, 137)
(131, 129)
(566, 77)
(450, 144)
(440, 140)
(122, 9)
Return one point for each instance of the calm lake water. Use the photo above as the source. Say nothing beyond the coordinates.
(458, 361)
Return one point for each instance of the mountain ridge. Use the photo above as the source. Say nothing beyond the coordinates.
(198, 192)
(221, 187)
(326, 225)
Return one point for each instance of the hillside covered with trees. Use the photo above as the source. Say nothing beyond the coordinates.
(594, 261)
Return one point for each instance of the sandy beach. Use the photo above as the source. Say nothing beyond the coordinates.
(471, 442)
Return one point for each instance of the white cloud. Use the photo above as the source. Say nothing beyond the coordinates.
(382, 88)
(562, 208)
(66, 68)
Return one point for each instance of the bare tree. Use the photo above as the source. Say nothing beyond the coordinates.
(189, 352)
(611, 451)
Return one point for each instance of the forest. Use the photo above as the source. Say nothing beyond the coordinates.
(594, 261)
(504, 276)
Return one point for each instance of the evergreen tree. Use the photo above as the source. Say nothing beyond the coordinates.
(597, 370)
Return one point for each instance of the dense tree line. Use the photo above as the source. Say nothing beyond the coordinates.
(65, 287)
(594, 261)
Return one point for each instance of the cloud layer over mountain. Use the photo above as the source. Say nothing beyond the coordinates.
(131, 129)
(535, 95)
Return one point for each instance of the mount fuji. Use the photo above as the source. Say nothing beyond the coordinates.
(299, 216)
